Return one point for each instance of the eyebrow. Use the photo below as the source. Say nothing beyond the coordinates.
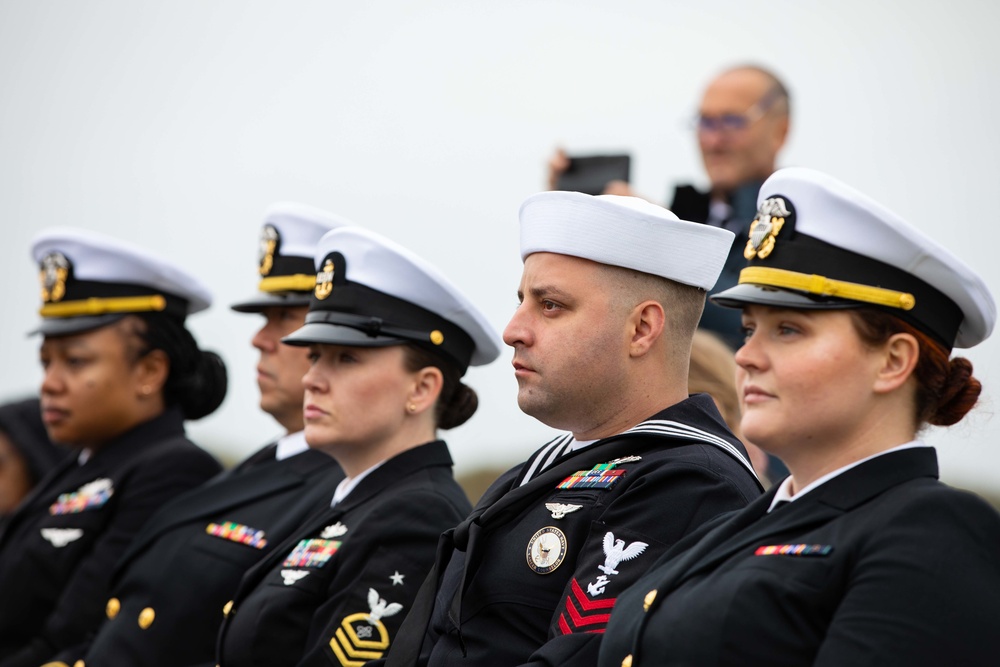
(71, 342)
(543, 291)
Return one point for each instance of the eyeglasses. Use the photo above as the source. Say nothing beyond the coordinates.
(732, 123)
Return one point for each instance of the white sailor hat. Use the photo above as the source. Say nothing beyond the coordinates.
(624, 231)
(372, 292)
(90, 280)
(818, 243)
(288, 241)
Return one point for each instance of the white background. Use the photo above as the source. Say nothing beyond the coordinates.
(175, 124)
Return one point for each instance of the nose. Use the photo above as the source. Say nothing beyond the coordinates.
(517, 330)
(263, 340)
(51, 381)
(711, 139)
(748, 355)
(312, 379)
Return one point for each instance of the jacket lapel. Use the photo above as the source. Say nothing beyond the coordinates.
(390, 472)
(218, 496)
(753, 526)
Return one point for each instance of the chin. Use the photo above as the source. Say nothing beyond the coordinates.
(62, 435)
(722, 182)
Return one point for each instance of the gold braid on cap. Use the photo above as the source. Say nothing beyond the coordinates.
(298, 282)
(101, 306)
(813, 284)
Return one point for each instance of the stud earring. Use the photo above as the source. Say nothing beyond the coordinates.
(411, 407)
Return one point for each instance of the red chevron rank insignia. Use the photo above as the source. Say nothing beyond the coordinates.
(583, 614)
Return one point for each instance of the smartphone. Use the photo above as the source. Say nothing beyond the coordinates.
(592, 173)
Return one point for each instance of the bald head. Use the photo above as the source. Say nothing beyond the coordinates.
(744, 122)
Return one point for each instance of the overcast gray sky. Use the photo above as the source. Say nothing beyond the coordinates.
(175, 124)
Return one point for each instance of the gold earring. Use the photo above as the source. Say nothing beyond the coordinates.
(147, 390)
(411, 407)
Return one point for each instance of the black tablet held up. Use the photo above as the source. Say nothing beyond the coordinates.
(592, 173)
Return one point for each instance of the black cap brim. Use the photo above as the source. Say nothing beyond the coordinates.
(259, 302)
(745, 294)
(67, 326)
(335, 334)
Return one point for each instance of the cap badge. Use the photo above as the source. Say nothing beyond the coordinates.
(269, 239)
(546, 550)
(765, 227)
(324, 280)
(53, 274)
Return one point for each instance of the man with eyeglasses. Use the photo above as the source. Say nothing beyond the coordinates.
(741, 124)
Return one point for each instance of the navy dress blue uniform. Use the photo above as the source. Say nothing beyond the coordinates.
(534, 572)
(336, 592)
(882, 549)
(310, 601)
(875, 562)
(58, 550)
(185, 565)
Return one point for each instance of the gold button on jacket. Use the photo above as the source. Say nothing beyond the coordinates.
(146, 617)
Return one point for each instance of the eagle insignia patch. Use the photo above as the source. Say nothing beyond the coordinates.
(615, 552)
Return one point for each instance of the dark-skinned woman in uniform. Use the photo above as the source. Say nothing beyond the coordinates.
(121, 373)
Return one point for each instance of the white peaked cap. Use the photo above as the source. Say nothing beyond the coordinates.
(371, 291)
(838, 248)
(90, 279)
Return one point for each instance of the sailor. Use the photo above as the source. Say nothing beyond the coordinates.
(860, 556)
(185, 565)
(611, 294)
(389, 338)
(121, 373)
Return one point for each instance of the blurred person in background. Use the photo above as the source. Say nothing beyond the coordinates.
(121, 374)
(713, 372)
(742, 124)
(26, 453)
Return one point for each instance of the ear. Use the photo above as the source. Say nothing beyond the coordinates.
(151, 372)
(899, 358)
(427, 384)
(646, 327)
